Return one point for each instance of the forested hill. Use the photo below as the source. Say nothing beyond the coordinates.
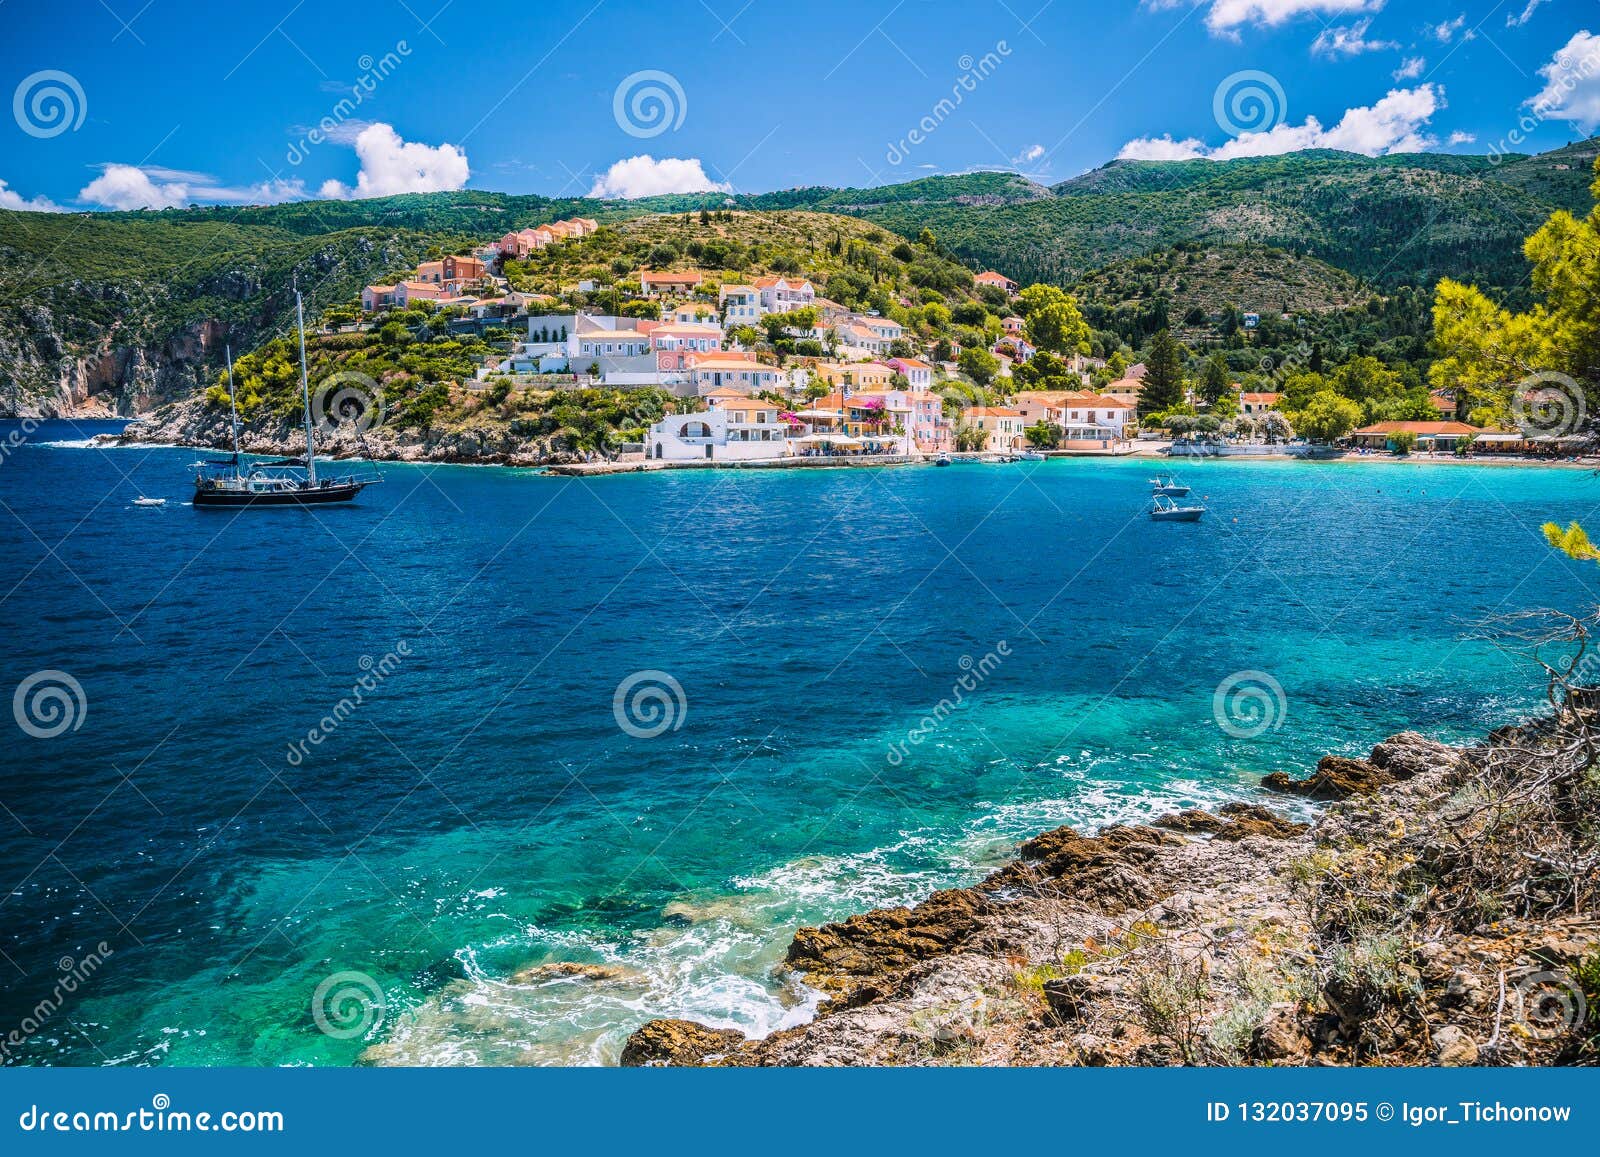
(141, 302)
(1400, 220)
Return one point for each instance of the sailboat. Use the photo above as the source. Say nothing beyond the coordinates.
(287, 482)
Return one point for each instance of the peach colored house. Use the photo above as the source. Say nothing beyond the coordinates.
(1003, 425)
(708, 371)
(855, 376)
(996, 281)
(375, 297)
(1254, 404)
(656, 284)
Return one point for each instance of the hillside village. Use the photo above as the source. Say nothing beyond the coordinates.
(771, 367)
(751, 365)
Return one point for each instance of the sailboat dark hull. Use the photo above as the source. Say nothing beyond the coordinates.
(303, 496)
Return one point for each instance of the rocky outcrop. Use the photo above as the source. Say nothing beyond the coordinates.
(679, 1042)
(124, 348)
(195, 422)
(1395, 760)
(1239, 936)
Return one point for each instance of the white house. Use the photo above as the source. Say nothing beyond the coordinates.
(918, 373)
(740, 305)
(782, 294)
(735, 429)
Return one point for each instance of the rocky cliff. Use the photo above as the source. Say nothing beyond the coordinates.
(1442, 911)
(72, 346)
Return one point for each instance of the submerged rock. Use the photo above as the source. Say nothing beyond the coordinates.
(569, 969)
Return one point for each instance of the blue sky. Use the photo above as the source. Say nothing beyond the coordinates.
(120, 103)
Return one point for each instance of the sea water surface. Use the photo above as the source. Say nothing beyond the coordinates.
(336, 777)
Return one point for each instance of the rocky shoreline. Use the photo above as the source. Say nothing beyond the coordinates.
(1236, 937)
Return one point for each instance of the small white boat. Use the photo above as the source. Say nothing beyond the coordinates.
(942, 460)
(1168, 485)
(1163, 509)
(143, 501)
(1031, 456)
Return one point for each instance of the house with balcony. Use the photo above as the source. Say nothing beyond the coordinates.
(740, 305)
(1089, 422)
(995, 281)
(708, 371)
(855, 377)
(1002, 424)
(376, 297)
(783, 294)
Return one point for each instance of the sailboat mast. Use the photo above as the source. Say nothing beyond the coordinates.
(233, 404)
(305, 391)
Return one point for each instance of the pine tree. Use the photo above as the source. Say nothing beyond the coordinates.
(1215, 382)
(1163, 379)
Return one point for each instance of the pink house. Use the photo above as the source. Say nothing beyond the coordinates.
(375, 297)
(408, 291)
(996, 281)
(930, 429)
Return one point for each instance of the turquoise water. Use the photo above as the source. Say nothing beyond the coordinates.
(481, 810)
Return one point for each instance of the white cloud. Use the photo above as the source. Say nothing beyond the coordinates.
(156, 187)
(1445, 32)
(1516, 21)
(1572, 83)
(1394, 124)
(1227, 16)
(11, 199)
(1028, 155)
(391, 165)
(1460, 138)
(1162, 148)
(130, 187)
(644, 176)
(1410, 68)
(1349, 40)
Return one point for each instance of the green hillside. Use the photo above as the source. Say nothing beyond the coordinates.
(1403, 220)
(84, 296)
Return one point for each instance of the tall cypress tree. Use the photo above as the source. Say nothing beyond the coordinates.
(1163, 379)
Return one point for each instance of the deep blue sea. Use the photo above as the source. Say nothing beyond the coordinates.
(235, 836)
